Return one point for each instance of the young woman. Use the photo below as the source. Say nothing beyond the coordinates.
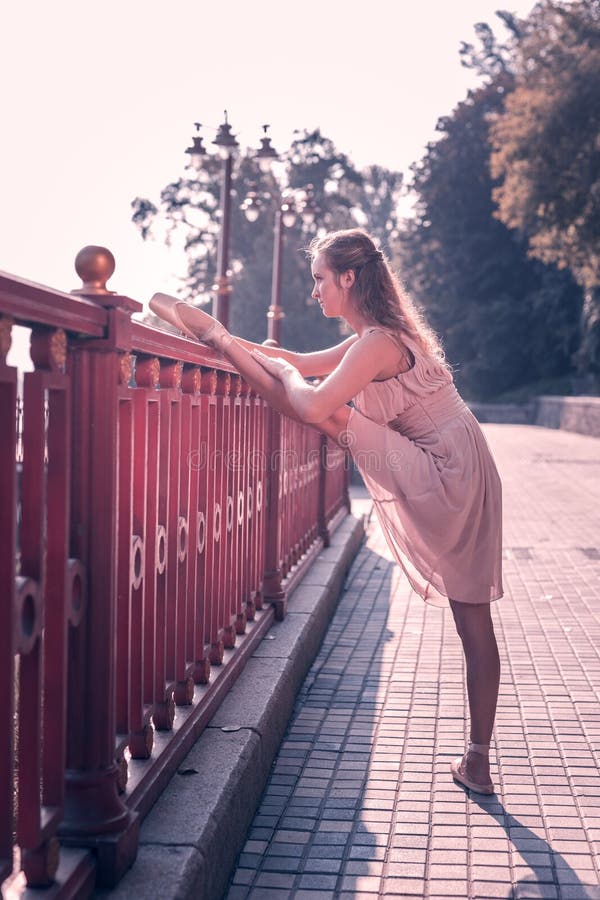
(419, 449)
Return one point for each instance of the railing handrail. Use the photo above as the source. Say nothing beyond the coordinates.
(28, 302)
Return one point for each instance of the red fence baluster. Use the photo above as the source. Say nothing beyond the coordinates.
(124, 625)
(246, 501)
(251, 516)
(285, 497)
(184, 692)
(229, 552)
(164, 703)
(44, 553)
(260, 470)
(56, 588)
(191, 383)
(8, 518)
(141, 734)
(204, 543)
(215, 526)
(33, 554)
(237, 465)
(272, 589)
(146, 524)
(216, 586)
(323, 485)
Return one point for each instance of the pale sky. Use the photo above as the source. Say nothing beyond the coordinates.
(98, 104)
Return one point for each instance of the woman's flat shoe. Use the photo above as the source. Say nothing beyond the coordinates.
(165, 307)
(458, 773)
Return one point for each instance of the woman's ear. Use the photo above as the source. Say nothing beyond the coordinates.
(347, 279)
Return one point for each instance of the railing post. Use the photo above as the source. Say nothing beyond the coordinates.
(272, 588)
(95, 815)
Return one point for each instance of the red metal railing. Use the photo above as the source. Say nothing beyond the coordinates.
(158, 522)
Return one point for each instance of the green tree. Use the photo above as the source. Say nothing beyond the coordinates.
(344, 196)
(546, 150)
(506, 320)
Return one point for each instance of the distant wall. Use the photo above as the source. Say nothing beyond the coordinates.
(580, 414)
(505, 413)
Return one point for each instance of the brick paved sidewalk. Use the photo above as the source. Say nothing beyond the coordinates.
(360, 802)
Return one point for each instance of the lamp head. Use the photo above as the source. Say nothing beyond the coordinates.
(225, 141)
(267, 153)
(197, 151)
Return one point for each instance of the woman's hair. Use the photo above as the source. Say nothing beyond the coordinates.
(377, 291)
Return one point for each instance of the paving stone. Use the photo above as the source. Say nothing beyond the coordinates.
(280, 864)
(492, 889)
(405, 887)
(312, 880)
(244, 876)
(275, 880)
(326, 865)
(265, 893)
(326, 851)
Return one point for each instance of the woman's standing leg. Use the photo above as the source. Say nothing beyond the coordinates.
(476, 631)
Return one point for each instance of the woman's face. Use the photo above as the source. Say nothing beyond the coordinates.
(329, 294)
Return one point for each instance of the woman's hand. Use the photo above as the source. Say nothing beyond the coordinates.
(275, 365)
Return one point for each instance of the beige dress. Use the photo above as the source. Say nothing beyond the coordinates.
(433, 481)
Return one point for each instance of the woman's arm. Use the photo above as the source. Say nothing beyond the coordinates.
(360, 365)
(320, 362)
(267, 385)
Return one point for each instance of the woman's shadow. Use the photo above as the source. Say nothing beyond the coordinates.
(536, 853)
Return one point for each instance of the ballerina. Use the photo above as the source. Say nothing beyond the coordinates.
(420, 451)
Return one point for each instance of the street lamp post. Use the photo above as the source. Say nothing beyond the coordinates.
(222, 287)
(226, 145)
(290, 206)
(285, 216)
(276, 313)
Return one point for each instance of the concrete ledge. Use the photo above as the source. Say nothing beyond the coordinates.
(190, 840)
(504, 413)
(579, 414)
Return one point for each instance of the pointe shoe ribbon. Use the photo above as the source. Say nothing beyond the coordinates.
(457, 767)
(164, 306)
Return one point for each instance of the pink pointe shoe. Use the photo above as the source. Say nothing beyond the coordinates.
(458, 769)
(204, 327)
(163, 306)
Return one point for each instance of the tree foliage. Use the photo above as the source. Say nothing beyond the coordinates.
(506, 320)
(344, 196)
(546, 148)
(546, 140)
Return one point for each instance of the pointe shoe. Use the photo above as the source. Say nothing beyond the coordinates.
(165, 307)
(457, 767)
(204, 327)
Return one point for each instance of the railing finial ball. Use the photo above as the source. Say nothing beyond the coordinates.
(94, 265)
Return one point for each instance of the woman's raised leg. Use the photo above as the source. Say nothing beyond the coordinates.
(274, 393)
(476, 631)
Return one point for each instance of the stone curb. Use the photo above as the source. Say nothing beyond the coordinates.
(190, 840)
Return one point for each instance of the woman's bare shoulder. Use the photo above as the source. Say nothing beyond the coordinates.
(395, 355)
